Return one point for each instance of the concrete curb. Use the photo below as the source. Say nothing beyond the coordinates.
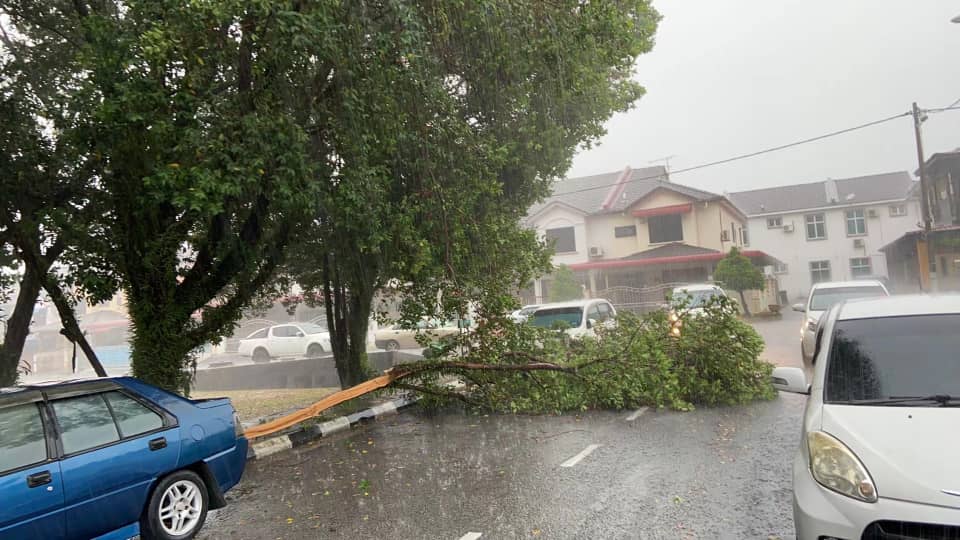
(306, 434)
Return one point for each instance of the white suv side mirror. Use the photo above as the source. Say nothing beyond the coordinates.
(790, 379)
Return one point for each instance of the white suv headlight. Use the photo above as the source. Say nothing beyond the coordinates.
(835, 467)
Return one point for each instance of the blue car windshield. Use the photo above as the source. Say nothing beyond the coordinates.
(545, 318)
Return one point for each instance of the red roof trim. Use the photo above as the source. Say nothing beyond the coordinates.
(704, 257)
(664, 210)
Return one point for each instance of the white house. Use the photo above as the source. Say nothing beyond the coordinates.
(831, 230)
(636, 229)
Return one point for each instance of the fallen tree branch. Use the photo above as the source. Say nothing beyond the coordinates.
(433, 392)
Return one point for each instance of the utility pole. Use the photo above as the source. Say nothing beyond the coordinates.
(918, 118)
(923, 247)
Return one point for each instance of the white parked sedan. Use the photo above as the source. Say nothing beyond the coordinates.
(297, 339)
(824, 295)
(878, 455)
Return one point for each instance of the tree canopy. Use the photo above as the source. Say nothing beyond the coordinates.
(736, 272)
(564, 285)
(346, 144)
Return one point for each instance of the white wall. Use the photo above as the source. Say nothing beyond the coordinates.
(796, 251)
(556, 217)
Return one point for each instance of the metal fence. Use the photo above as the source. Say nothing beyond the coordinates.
(639, 300)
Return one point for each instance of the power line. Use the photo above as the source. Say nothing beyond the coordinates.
(745, 156)
(953, 107)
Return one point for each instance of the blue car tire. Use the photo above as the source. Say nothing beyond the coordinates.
(176, 509)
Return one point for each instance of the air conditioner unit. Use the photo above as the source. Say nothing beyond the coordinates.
(788, 227)
(724, 235)
(596, 251)
(872, 213)
(858, 243)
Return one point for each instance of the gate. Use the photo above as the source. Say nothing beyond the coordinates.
(639, 300)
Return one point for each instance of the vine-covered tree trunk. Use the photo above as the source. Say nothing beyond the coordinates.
(18, 327)
(160, 351)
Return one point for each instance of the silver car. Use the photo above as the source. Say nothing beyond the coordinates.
(824, 295)
(878, 452)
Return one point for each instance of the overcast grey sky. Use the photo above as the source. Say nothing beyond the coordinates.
(734, 76)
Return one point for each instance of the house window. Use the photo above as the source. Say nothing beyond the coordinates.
(780, 268)
(625, 231)
(667, 228)
(856, 224)
(819, 271)
(733, 232)
(774, 222)
(898, 210)
(860, 267)
(816, 227)
(564, 239)
(745, 237)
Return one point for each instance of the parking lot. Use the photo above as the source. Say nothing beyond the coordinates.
(712, 473)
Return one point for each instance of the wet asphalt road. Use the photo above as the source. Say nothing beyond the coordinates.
(712, 473)
(782, 338)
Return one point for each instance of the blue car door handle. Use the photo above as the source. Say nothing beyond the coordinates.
(39, 479)
(158, 443)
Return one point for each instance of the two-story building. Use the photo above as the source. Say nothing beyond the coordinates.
(922, 260)
(634, 228)
(829, 231)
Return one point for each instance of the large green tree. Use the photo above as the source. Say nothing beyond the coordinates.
(460, 116)
(736, 272)
(195, 163)
(394, 142)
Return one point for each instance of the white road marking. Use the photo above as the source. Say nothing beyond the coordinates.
(471, 536)
(576, 459)
(636, 414)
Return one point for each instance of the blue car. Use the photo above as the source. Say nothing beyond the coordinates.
(113, 459)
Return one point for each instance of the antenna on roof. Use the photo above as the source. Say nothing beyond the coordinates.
(666, 164)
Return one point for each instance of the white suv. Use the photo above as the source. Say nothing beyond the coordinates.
(581, 316)
(298, 339)
(824, 295)
(877, 456)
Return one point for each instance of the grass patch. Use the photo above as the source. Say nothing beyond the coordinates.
(254, 404)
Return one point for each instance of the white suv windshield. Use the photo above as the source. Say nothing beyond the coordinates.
(545, 318)
(696, 298)
(823, 299)
(312, 328)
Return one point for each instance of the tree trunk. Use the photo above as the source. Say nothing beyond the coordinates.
(71, 330)
(743, 303)
(159, 352)
(18, 326)
(358, 320)
(348, 315)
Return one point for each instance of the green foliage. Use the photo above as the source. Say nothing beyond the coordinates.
(390, 142)
(714, 361)
(446, 122)
(564, 285)
(736, 272)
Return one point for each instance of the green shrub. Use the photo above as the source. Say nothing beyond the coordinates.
(714, 361)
